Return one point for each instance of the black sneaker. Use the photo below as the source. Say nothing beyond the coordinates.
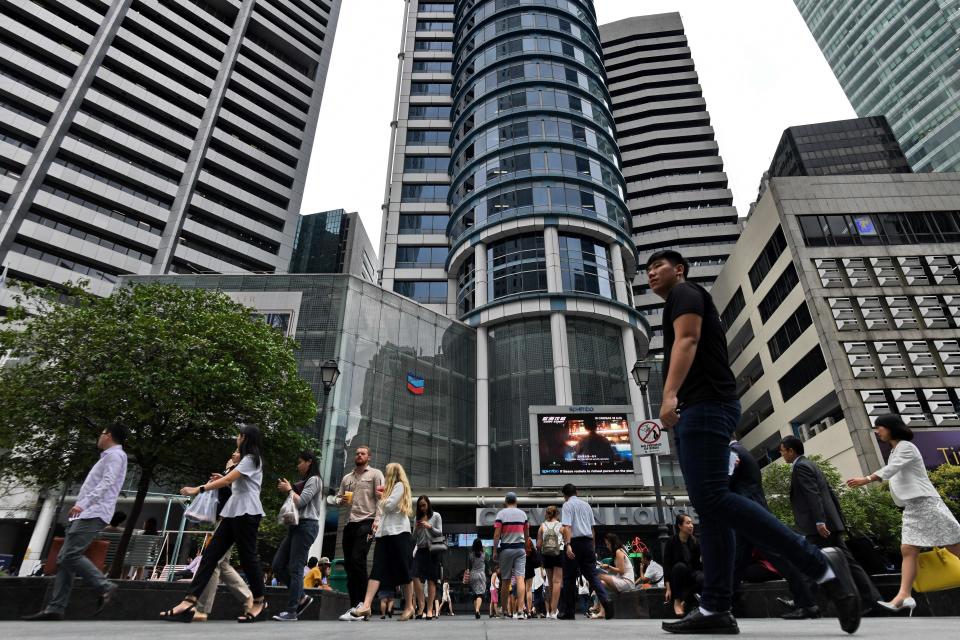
(787, 602)
(803, 613)
(842, 590)
(43, 615)
(696, 622)
(305, 602)
(107, 596)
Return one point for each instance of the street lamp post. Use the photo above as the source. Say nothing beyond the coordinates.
(641, 376)
(329, 372)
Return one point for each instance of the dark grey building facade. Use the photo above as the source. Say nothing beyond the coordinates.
(843, 147)
(334, 242)
(676, 188)
(157, 136)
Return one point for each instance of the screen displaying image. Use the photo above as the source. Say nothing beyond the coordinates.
(584, 444)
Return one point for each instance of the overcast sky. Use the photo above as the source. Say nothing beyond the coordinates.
(760, 69)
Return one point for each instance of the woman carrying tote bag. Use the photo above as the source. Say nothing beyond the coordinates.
(927, 522)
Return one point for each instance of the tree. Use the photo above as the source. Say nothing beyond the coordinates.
(180, 368)
(868, 511)
(946, 478)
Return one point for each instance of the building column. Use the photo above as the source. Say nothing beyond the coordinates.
(551, 246)
(483, 379)
(619, 276)
(563, 388)
(31, 559)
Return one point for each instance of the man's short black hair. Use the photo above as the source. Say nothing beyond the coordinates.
(569, 490)
(793, 443)
(312, 562)
(118, 433)
(895, 425)
(673, 257)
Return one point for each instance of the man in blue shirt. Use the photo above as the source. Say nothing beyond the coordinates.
(581, 553)
(89, 515)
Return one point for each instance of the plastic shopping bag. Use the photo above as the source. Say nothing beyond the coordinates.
(289, 514)
(203, 508)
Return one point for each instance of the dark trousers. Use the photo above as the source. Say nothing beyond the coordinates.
(684, 583)
(584, 563)
(703, 447)
(72, 562)
(242, 532)
(356, 546)
(799, 586)
(868, 592)
(291, 556)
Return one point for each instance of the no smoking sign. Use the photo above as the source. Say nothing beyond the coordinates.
(650, 439)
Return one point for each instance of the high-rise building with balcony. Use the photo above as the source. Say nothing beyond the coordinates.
(677, 190)
(505, 209)
(899, 59)
(155, 136)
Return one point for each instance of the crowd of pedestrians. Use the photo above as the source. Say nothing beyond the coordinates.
(543, 571)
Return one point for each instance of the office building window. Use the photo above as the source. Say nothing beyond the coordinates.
(430, 88)
(516, 265)
(412, 257)
(778, 292)
(881, 229)
(809, 367)
(428, 137)
(786, 335)
(424, 192)
(761, 267)
(414, 224)
(585, 266)
(732, 311)
(423, 291)
(428, 112)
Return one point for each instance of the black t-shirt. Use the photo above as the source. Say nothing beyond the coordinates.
(710, 377)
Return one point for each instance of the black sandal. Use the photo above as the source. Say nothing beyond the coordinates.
(181, 616)
(248, 617)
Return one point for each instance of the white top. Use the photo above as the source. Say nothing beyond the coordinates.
(245, 491)
(628, 566)
(907, 474)
(654, 574)
(577, 515)
(391, 521)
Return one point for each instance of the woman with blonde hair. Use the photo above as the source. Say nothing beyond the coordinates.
(394, 550)
(927, 521)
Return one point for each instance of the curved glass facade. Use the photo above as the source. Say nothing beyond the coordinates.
(600, 375)
(585, 266)
(516, 265)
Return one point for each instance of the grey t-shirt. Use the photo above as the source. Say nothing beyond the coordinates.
(245, 499)
(311, 498)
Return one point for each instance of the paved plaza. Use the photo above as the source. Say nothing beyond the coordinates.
(467, 628)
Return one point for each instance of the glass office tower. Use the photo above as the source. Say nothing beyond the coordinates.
(505, 208)
(900, 59)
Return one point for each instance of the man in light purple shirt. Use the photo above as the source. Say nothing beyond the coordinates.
(91, 513)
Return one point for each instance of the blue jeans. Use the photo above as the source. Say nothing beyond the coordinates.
(703, 446)
(291, 557)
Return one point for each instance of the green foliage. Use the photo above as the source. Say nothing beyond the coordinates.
(946, 478)
(180, 368)
(868, 511)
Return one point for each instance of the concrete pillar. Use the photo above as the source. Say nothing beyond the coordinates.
(483, 376)
(551, 245)
(32, 559)
(562, 385)
(619, 278)
(316, 549)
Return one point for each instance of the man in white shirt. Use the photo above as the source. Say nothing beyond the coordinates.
(89, 515)
(651, 573)
(581, 552)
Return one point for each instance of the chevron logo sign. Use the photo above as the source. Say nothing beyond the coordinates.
(414, 384)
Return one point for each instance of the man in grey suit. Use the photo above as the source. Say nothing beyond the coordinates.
(816, 511)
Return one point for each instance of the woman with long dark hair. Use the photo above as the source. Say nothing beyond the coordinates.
(478, 575)
(682, 566)
(427, 563)
(616, 577)
(293, 551)
(927, 521)
(240, 520)
(391, 556)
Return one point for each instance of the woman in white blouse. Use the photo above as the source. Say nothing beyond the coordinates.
(927, 522)
(394, 551)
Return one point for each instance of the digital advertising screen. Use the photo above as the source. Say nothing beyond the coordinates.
(584, 444)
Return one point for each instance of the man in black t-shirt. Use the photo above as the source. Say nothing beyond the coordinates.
(700, 403)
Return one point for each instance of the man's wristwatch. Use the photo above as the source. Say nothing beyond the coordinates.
(203, 488)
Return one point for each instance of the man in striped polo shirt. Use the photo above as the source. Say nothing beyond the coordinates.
(510, 535)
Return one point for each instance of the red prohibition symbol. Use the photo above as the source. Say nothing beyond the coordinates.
(648, 432)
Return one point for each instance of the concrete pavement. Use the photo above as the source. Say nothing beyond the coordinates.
(467, 628)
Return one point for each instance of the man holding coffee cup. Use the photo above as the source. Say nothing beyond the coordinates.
(359, 490)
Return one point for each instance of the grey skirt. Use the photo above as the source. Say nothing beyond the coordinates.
(927, 522)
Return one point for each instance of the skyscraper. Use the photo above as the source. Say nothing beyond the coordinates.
(505, 209)
(334, 242)
(900, 59)
(155, 137)
(676, 187)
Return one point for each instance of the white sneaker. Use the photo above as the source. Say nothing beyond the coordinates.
(349, 615)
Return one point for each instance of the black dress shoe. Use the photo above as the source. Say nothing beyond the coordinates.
(608, 610)
(803, 613)
(842, 590)
(43, 615)
(566, 616)
(696, 622)
(109, 595)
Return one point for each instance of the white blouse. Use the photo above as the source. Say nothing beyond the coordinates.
(245, 490)
(391, 520)
(907, 474)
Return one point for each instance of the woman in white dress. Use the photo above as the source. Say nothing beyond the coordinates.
(927, 522)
